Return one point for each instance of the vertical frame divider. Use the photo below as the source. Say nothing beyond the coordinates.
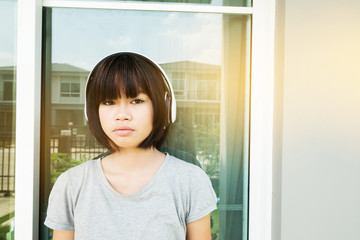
(262, 114)
(28, 119)
(45, 139)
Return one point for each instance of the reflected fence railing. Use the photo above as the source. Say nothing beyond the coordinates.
(7, 166)
(78, 147)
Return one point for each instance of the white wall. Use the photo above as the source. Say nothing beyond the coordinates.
(317, 121)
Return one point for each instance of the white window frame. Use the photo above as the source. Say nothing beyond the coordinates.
(28, 86)
(29, 27)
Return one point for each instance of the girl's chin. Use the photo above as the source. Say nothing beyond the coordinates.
(122, 145)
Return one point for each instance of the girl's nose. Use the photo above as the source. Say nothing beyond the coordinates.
(123, 113)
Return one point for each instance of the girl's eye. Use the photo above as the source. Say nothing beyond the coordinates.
(108, 103)
(137, 101)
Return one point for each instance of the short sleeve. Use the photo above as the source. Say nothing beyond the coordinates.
(60, 212)
(202, 198)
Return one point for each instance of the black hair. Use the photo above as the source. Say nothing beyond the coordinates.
(130, 74)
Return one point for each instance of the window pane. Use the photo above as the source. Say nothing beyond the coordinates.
(206, 57)
(75, 87)
(65, 87)
(8, 91)
(7, 117)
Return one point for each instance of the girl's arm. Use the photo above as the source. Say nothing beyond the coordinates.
(63, 235)
(199, 229)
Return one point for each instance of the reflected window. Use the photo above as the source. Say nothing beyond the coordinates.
(69, 89)
(208, 86)
(178, 84)
(8, 91)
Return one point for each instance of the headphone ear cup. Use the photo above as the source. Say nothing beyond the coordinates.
(168, 107)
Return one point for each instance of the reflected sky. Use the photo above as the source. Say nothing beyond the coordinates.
(83, 37)
(7, 32)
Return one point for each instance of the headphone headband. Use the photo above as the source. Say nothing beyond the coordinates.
(171, 112)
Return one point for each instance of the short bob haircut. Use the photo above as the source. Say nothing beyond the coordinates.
(129, 74)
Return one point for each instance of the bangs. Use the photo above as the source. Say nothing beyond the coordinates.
(121, 78)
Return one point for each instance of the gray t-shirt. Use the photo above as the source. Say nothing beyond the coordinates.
(83, 200)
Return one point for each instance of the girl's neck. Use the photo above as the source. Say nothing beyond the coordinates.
(134, 159)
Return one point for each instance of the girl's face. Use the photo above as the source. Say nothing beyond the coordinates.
(127, 121)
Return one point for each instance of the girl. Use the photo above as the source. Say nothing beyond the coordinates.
(136, 192)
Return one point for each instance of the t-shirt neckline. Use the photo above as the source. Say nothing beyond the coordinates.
(138, 193)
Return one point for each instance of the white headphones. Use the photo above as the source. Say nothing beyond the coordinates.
(169, 100)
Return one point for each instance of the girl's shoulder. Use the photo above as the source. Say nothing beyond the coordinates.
(81, 169)
(75, 176)
(83, 166)
(181, 168)
(192, 186)
(180, 164)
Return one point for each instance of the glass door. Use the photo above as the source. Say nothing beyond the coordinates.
(207, 58)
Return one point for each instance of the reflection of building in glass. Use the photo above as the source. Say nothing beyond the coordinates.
(197, 92)
(7, 101)
(7, 133)
(194, 81)
(67, 98)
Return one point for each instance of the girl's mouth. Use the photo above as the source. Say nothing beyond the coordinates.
(123, 131)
